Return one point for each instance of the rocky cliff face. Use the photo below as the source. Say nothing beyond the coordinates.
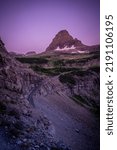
(13, 75)
(2, 48)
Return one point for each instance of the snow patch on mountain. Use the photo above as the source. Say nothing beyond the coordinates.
(65, 48)
(71, 50)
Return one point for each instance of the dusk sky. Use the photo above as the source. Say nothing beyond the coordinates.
(30, 25)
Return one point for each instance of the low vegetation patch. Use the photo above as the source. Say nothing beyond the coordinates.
(32, 60)
(46, 71)
(52, 71)
(96, 111)
(95, 69)
(67, 78)
(79, 99)
(58, 63)
(92, 107)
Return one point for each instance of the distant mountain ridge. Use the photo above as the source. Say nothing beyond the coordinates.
(30, 53)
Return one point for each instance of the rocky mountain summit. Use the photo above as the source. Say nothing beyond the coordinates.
(64, 42)
(63, 39)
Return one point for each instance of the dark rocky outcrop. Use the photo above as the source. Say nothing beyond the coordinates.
(2, 48)
(13, 75)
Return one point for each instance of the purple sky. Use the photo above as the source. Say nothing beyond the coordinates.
(27, 25)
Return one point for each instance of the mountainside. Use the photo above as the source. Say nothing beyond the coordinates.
(64, 42)
(21, 125)
(49, 102)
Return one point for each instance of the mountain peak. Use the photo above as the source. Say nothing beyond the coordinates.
(63, 40)
(64, 33)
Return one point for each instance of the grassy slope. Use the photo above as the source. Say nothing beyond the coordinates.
(65, 66)
(55, 65)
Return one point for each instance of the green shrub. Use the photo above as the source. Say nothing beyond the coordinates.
(58, 63)
(95, 69)
(47, 71)
(50, 71)
(96, 111)
(79, 99)
(79, 73)
(67, 78)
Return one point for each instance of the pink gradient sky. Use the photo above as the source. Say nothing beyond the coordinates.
(30, 25)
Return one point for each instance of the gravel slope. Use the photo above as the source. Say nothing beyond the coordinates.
(71, 123)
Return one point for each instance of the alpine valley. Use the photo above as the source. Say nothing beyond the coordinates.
(51, 100)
